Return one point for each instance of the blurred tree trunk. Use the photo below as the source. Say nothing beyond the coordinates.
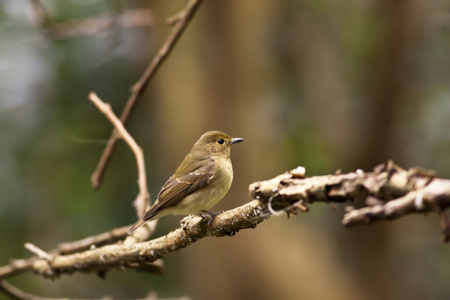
(392, 89)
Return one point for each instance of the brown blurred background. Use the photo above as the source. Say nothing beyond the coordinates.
(323, 84)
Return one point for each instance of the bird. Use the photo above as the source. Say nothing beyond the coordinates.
(200, 181)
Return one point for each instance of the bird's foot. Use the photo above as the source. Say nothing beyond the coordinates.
(209, 215)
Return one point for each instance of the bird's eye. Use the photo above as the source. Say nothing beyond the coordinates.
(220, 141)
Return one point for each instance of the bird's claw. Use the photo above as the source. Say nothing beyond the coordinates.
(209, 215)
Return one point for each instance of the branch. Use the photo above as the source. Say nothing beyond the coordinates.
(141, 202)
(38, 252)
(15, 293)
(20, 266)
(434, 197)
(95, 241)
(139, 87)
(389, 192)
(97, 24)
(131, 256)
(38, 16)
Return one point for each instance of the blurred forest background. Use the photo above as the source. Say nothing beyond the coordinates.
(319, 83)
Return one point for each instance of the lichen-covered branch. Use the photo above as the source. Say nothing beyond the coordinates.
(20, 266)
(389, 192)
(135, 255)
(435, 196)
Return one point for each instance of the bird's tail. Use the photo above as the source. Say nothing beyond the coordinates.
(151, 214)
(138, 224)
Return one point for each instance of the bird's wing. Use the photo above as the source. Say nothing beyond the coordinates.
(178, 187)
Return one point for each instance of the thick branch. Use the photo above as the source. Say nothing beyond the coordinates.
(130, 256)
(389, 192)
(433, 197)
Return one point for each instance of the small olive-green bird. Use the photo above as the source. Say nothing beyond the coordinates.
(200, 181)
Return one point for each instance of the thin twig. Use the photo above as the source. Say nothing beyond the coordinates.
(174, 19)
(39, 16)
(18, 294)
(15, 293)
(96, 24)
(20, 266)
(139, 87)
(96, 241)
(141, 202)
(38, 252)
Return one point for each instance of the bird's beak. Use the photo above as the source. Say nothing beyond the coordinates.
(236, 140)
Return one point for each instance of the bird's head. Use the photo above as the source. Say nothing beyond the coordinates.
(214, 143)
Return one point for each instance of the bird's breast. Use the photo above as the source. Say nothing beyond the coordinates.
(208, 196)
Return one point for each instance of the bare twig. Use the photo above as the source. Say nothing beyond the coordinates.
(96, 24)
(139, 87)
(20, 266)
(38, 252)
(16, 293)
(175, 18)
(141, 202)
(17, 267)
(109, 237)
(38, 16)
